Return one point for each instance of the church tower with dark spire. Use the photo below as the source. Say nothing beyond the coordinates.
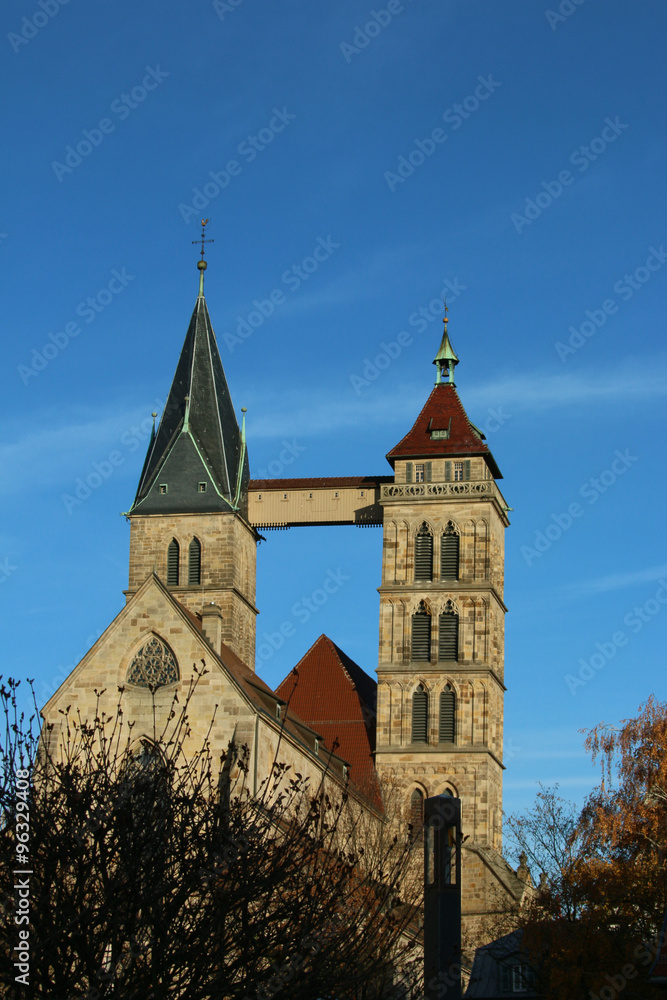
(440, 671)
(189, 517)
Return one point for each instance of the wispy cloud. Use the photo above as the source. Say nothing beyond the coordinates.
(54, 451)
(615, 581)
(539, 391)
(322, 411)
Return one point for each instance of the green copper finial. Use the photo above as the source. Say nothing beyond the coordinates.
(201, 264)
(446, 358)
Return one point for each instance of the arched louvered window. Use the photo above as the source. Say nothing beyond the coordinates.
(420, 716)
(423, 554)
(173, 557)
(447, 717)
(449, 554)
(421, 634)
(417, 813)
(448, 633)
(194, 562)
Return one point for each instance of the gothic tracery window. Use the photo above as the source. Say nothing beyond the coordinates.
(153, 665)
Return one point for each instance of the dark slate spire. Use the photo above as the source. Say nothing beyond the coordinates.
(197, 462)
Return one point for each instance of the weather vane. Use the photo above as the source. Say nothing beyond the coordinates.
(202, 239)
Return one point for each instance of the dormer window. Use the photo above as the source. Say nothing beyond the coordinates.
(201, 488)
(440, 433)
(163, 488)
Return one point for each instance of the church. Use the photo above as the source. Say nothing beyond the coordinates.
(431, 722)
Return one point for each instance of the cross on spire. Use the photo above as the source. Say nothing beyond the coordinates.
(202, 239)
(201, 264)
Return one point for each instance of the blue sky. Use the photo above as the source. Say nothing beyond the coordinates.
(510, 154)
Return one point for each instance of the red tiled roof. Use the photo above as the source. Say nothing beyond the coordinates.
(331, 693)
(442, 411)
(331, 482)
(257, 690)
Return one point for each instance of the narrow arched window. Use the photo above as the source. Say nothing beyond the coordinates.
(424, 554)
(449, 554)
(417, 813)
(447, 716)
(448, 633)
(194, 562)
(420, 715)
(421, 634)
(173, 557)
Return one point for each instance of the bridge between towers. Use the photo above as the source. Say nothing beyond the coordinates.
(291, 503)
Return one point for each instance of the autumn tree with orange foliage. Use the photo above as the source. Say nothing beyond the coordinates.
(593, 931)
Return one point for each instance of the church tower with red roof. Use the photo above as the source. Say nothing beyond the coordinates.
(440, 672)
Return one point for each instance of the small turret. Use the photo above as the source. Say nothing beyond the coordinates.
(446, 358)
